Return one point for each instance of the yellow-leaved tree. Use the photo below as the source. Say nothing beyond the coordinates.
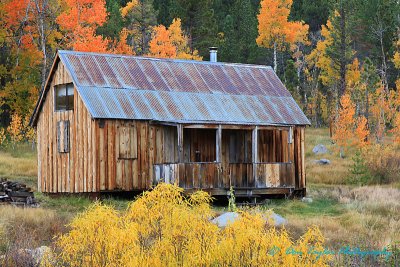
(3, 136)
(29, 133)
(396, 128)
(319, 56)
(164, 228)
(395, 97)
(275, 30)
(15, 129)
(171, 42)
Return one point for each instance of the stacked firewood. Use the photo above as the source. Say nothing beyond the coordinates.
(16, 193)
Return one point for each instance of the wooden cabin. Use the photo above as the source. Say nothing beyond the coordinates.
(109, 123)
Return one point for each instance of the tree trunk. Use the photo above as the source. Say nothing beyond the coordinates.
(275, 59)
(343, 48)
(41, 29)
(384, 66)
(367, 109)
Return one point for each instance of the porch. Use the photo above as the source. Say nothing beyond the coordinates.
(251, 159)
(212, 177)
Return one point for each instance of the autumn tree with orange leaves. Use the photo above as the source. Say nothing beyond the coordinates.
(274, 29)
(171, 42)
(121, 46)
(349, 130)
(343, 132)
(80, 19)
(31, 30)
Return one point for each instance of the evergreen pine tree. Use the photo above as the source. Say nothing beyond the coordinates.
(140, 17)
(359, 171)
(114, 23)
(198, 22)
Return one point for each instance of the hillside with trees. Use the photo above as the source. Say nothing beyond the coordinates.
(327, 52)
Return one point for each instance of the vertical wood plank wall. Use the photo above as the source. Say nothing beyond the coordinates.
(201, 140)
(273, 146)
(55, 170)
(93, 163)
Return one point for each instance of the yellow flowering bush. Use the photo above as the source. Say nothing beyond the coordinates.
(165, 228)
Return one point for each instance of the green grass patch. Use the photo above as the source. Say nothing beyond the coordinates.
(73, 204)
(118, 204)
(319, 207)
(23, 150)
(64, 204)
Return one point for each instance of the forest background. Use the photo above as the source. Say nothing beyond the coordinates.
(339, 59)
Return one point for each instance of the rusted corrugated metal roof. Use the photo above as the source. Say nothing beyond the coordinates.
(128, 87)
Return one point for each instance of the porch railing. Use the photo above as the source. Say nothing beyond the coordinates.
(208, 175)
(189, 175)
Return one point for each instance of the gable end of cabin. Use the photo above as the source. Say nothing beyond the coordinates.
(63, 127)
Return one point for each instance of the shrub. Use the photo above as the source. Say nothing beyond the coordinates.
(23, 229)
(164, 228)
(395, 254)
(383, 163)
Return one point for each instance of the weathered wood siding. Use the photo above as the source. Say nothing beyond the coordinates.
(201, 141)
(273, 146)
(74, 170)
(299, 156)
(121, 173)
(239, 175)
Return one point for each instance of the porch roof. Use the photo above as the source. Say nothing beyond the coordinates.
(185, 107)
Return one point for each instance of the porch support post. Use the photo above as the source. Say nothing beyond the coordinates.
(254, 143)
(179, 128)
(218, 143)
(290, 143)
(254, 153)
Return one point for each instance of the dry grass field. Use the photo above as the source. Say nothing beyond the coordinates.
(19, 164)
(336, 172)
(367, 217)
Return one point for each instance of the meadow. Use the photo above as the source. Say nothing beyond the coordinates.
(367, 216)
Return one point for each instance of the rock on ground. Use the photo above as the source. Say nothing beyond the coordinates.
(226, 218)
(36, 254)
(229, 217)
(320, 149)
(278, 219)
(307, 200)
(323, 161)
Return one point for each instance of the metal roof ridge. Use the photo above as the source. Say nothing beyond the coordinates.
(165, 59)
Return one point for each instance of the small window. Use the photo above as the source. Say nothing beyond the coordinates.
(64, 97)
(127, 141)
(63, 136)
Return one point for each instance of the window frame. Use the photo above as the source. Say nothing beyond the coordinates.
(68, 104)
